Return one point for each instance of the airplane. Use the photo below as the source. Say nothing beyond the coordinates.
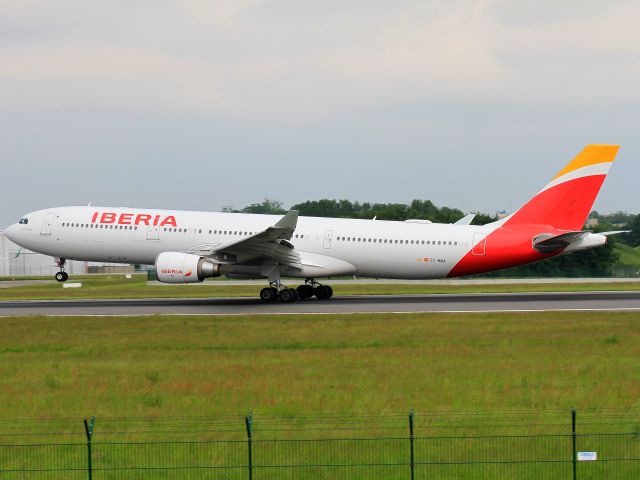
(190, 246)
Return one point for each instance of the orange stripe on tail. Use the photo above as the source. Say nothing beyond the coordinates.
(590, 155)
(566, 201)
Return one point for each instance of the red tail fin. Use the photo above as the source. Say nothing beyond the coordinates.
(566, 201)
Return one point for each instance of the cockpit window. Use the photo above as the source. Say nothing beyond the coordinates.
(24, 221)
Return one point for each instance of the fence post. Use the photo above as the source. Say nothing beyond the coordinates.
(574, 443)
(249, 422)
(411, 438)
(88, 428)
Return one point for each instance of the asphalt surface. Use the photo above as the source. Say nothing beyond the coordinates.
(494, 302)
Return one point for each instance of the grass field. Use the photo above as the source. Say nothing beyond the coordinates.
(70, 366)
(439, 364)
(117, 286)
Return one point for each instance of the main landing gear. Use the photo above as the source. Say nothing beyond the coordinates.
(61, 276)
(276, 291)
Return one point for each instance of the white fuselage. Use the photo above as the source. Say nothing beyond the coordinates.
(375, 248)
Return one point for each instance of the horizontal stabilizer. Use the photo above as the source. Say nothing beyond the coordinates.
(614, 232)
(569, 242)
(548, 243)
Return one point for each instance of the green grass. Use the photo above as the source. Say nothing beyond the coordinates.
(117, 286)
(74, 366)
(164, 366)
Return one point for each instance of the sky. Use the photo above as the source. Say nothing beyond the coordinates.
(204, 104)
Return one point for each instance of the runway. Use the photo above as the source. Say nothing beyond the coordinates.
(495, 302)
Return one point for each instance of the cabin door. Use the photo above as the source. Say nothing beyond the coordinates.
(46, 224)
(479, 244)
(328, 237)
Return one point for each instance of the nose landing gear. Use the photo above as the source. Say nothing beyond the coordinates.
(61, 276)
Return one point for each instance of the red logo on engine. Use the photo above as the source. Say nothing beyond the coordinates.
(172, 271)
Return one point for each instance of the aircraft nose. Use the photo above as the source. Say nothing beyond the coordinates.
(11, 232)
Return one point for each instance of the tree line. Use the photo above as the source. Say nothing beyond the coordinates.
(597, 262)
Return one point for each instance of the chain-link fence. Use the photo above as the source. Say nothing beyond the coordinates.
(472, 445)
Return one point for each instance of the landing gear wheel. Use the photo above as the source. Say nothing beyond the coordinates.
(304, 292)
(323, 292)
(62, 276)
(268, 294)
(329, 291)
(288, 295)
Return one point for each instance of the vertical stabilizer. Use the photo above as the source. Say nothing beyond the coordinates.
(565, 202)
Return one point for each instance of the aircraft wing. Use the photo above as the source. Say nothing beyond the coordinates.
(272, 243)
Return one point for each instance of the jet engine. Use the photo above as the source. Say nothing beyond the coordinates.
(178, 267)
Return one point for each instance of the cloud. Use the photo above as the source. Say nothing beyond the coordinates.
(259, 61)
(251, 98)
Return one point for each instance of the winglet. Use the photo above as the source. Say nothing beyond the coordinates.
(466, 220)
(289, 220)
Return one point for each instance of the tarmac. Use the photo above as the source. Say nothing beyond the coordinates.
(478, 302)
